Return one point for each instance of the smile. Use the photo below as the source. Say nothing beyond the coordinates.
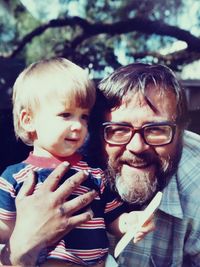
(71, 140)
(138, 165)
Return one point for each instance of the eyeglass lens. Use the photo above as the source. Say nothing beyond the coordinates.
(156, 135)
(153, 135)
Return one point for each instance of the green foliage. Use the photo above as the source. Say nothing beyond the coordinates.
(95, 51)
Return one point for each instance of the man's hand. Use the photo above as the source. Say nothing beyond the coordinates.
(46, 216)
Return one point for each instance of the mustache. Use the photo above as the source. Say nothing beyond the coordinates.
(141, 159)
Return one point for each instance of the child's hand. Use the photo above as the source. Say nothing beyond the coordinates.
(147, 227)
(129, 221)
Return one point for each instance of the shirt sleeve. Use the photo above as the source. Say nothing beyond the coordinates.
(7, 196)
(114, 207)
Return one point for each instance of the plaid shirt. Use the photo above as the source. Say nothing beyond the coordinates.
(176, 240)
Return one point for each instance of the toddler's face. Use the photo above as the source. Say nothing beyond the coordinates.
(60, 128)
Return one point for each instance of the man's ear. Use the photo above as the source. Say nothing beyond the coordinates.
(26, 120)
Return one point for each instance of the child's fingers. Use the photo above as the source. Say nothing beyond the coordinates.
(150, 220)
(139, 236)
(148, 227)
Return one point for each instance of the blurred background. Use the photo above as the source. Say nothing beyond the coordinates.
(99, 35)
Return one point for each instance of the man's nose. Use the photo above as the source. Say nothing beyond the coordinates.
(137, 144)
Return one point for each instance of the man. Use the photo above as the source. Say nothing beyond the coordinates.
(147, 150)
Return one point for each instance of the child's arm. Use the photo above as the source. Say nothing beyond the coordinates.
(128, 221)
(6, 229)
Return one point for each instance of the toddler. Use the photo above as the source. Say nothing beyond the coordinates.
(52, 100)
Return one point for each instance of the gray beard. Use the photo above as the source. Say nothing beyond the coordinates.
(142, 187)
(139, 192)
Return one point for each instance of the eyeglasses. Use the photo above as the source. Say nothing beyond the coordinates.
(154, 134)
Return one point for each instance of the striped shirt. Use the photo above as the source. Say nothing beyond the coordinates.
(87, 244)
(176, 240)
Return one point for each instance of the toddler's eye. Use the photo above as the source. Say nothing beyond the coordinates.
(64, 115)
(85, 117)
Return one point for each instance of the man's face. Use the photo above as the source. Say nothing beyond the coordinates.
(137, 170)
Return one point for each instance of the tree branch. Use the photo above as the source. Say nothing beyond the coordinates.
(174, 60)
(56, 23)
(138, 24)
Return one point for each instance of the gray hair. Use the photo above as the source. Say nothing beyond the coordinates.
(141, 77)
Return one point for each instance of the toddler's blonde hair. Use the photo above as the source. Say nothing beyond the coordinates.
(57, 77)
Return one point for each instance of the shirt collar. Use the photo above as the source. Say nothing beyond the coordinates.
(51, 162)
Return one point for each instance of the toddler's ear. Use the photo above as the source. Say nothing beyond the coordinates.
(26, 121)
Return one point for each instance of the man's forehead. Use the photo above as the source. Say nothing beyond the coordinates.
(136, 98)
(155, 103)
(153, 96)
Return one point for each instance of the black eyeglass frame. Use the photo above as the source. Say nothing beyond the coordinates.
(141, 130)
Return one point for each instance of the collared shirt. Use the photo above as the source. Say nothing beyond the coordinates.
(176, 239)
